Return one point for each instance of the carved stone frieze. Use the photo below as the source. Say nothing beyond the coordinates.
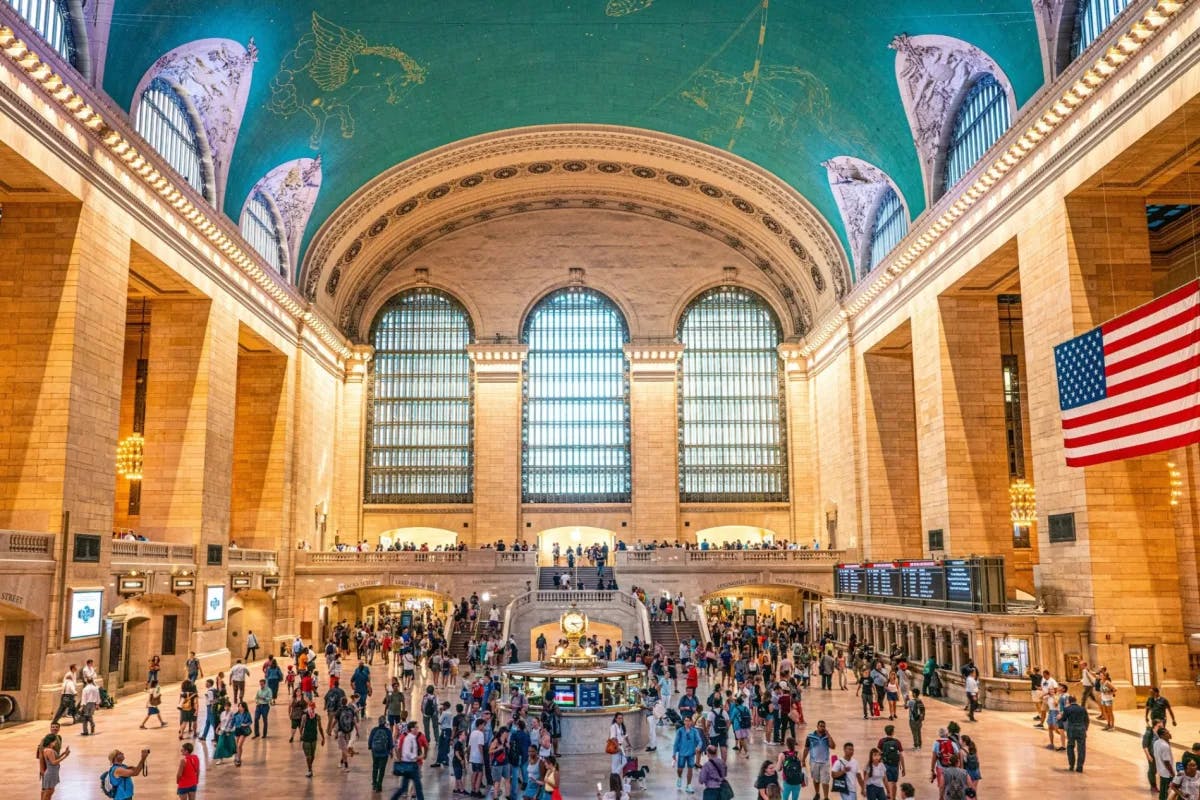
(293, 187)
(858, 187)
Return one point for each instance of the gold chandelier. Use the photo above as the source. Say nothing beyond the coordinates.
(129, 456)
(1023, 501)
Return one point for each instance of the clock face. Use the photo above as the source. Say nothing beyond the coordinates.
(572, 623)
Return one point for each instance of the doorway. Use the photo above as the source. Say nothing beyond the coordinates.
(1141, 671)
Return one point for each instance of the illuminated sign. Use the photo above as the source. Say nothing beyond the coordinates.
(214, 604)
(85, 613)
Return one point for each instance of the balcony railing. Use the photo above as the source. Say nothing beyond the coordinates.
(23, 546)
(238, 555)
(159, 552)
(678, 556)
(456, 559)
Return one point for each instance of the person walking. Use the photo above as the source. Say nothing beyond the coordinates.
(187, 710)
(251, 646)
(187, 776)
(310, 728)
(916, 717)
(66, 699)
(262, 707)
(408, 758)
(51, 753)
(237, 676)
(891, 755)
(971, 689)
(347, 729)
(790, 768)
(380, 743)
(847, 773)
(818, 748)
(153, 701)
(1075, 722)
(1158, 707)
(1164, 762)
(429, 714)
(684, 752)
(241, 730)
(90, 701)
(550, 778)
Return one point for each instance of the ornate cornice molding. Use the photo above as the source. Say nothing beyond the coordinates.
(694, 176)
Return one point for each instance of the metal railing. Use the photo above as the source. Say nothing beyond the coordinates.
(123, 551)
(473, 559)
(23, 546)
(677, 555)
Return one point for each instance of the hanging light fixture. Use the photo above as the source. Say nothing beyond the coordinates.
(131, 449)
(1023, 501)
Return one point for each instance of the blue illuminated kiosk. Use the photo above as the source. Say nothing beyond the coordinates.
(587, 690)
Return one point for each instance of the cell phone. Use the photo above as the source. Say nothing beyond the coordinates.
(598, 789)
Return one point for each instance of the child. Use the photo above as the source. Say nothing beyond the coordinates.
(291, 679)
(907, 790)
(459, 760)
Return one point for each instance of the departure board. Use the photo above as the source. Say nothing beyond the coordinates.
(968, 584)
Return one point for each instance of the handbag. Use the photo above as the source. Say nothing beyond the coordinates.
(839, 785)
(611, 747)
(725, 792)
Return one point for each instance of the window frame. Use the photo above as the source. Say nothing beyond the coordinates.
(269, 229)
(1084, 31)
(370, 448)
(895, 224)
(185, 140)
(64, 43)
(974, 129)
(705, 405)
(614, 481)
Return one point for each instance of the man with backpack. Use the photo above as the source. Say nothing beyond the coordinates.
(916, 717)
(892, 753)
(718, 724)
(791, 769)
(117, 781)
(429, 713)
(380, 744)
(945, 755)
(347, 727)
(334, 699)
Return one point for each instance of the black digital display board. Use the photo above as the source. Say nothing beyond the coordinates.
(966, 584)
(589, 694)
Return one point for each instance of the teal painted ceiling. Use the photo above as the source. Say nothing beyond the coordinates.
(825, 84)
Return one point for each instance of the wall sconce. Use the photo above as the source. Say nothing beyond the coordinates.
(239, 582)
(132, 584)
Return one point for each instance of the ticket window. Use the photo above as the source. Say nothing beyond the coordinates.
(1010, 657)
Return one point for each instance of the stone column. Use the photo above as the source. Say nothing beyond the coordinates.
(911, 634)
(654, 441)
(939, 645)
(498, 369)
(808, 521)
(261, 452)
(960, 425)
(345, 521)
(1083, 262)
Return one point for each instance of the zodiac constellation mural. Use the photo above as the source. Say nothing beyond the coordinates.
(323, 78)
(623, 8)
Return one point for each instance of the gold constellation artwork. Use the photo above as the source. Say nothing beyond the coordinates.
(330, 68)
(623, 8)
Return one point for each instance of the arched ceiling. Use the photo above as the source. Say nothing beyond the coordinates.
(784, 85)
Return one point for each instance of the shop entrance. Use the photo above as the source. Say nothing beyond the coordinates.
(575, 537)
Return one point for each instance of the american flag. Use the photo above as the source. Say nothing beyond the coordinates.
(1132, 386)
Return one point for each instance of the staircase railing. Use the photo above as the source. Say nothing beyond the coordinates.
(702, 619)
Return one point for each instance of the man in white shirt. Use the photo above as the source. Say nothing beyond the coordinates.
(971, 688)
(66, 703)
(1164, 761)
(88, 672)
(475, 755)
(408, 755)
(1049, 689)
(237, 678)
(90, 699)
(251, 646)
(846, 766)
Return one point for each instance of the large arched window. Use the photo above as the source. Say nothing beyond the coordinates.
(419, 413)
(1091, 19)
(731, 419)
(163, 121)
(888, 228)
(575, 436)
(50, 19)
(262, 232)
(981, 120)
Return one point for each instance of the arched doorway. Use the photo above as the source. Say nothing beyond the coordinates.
(369, 604)
(419, 538)
(249, 610)
(734, 537)
(22, 634)
(760, 601)
(573, 536)
(154, 625)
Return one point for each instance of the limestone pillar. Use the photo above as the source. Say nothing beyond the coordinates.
(1084, 261)
(939, 645)
(808, 520)
(891, 527)
(261, 452)
(345, 521)
(960, 425)
(190, 412)
(497, 440)
(653, 424)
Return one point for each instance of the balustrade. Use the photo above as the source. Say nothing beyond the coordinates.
(22, 546)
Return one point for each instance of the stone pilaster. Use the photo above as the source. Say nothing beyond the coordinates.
(654, 428)
(261, 455)
(807, 514)
(349, 449)
(497, 375)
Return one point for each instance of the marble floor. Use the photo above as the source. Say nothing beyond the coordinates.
(1013, 755)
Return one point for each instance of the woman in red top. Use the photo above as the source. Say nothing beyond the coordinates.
(188, 776)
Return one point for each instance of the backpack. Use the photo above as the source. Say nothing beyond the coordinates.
(108, 782)
(744, 717)
(380, 742)
(346, 719)
(916, 713)
(956, 790)
(793, 770)
(890, 750)
(945, 751)
(720, 724)
(333, 698)
(429, 706)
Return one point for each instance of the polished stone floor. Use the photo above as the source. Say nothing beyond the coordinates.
(1014, 758)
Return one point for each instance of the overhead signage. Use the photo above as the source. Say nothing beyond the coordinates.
(969, 584)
